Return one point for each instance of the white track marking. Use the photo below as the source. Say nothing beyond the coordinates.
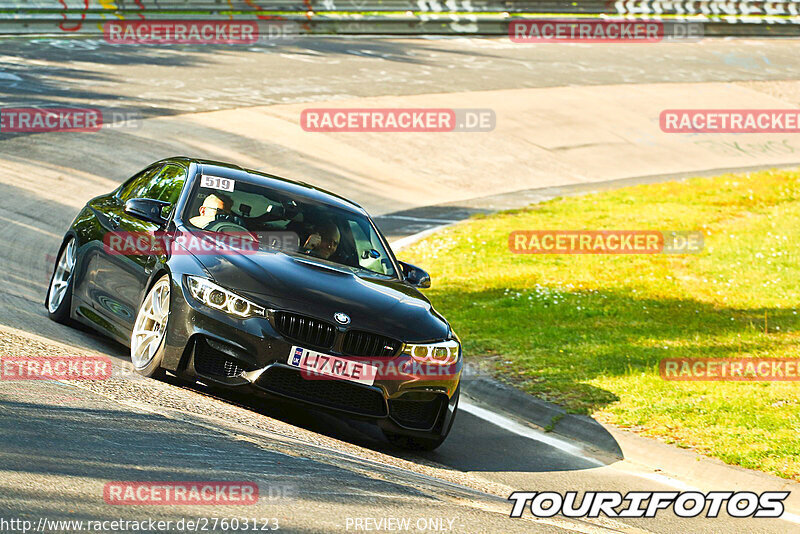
(527, 431)
(403, 242)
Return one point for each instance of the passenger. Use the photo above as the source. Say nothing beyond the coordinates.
(323, 241)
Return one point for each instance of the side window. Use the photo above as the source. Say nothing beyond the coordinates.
(367, 241)
(167, 185)
(158, 182)
(362, 241)
(137, 183)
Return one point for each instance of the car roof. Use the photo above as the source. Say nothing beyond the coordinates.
(235, 172)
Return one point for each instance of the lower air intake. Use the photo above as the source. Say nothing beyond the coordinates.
(330, 393)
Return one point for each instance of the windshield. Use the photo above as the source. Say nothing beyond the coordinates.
(293, 224)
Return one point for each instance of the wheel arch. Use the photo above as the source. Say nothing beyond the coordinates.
(155, 277)
(69, 234)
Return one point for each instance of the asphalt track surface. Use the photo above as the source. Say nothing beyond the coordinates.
(61, 443)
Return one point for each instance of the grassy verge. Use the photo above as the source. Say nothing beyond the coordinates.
(588, 331)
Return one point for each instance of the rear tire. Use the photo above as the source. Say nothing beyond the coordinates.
(59, 293)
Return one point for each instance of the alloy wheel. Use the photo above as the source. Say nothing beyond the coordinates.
(61, 276)
(151, 325)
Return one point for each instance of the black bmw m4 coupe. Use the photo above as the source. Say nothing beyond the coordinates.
(244, 280)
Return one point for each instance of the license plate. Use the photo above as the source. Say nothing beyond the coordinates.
(321, 366)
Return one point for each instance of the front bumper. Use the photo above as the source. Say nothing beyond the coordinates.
(251, 354)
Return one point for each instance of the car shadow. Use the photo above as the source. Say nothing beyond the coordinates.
(474, 444)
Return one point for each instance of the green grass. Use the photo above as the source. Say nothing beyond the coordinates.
(588, 331)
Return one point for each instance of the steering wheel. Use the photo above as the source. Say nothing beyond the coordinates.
(224, 226)
(228, 227)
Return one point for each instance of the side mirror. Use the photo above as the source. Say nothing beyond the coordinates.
(147, 209)
(415, 276)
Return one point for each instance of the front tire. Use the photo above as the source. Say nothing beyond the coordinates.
(59, 294)
(150, 330)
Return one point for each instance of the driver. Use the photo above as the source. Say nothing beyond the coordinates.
(213, 204)
(323, 241)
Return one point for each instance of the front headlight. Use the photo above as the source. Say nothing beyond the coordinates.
(219, 298)
(441, 353)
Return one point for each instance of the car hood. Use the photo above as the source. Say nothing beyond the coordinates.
(277, 280)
